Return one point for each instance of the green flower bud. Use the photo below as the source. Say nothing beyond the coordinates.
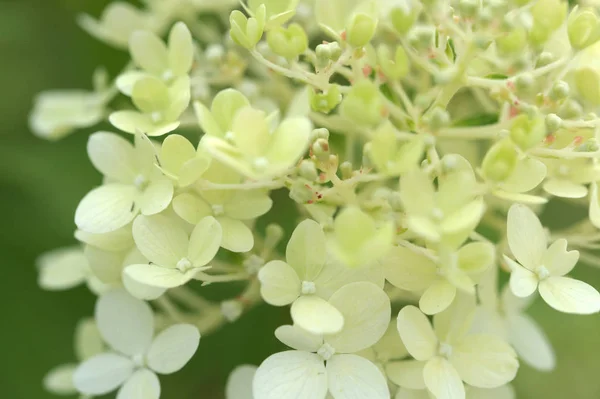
(587, 81)
(512, 42)
(288, 43)
(277, 13)
(320, 149)
(559, 90)
(320, 133)
(469, 8)
(247, 31)
(361, 29)
(403, 18)
(583, 28)
(527, 132)
(346, 169)
(273, 235)
(570, 109)
(524, 82)
(549, 14)
(553, 122)
(326, 101)
(437, 118)
(500, 161)
(308, 170)
(422, 37)
(363, 104)
(544, 58)
(394, 69)
(539, 35)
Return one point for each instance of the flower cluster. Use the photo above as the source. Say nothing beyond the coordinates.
(417, 140)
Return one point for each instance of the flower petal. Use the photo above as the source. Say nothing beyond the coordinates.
(205, 241)
(289, 142)
(237, 237)
(442, 379)
(526, 236)
(88, 341)
(409, 270)
(299, 339)
(416, 333)
(247, 204)
(158, 276)
(565, 188)
(160, 239)
(558, 260)
(406, 373)
(239, 383)
(125, 323)
(279, 283)
(367, 312)
(156, 197)
(107, 208)
(148, 52)
(173, 348)
(62, 268)
(59, 381)
(404, 393)
(143, 384)
(570, 296)
(437, 297)
(102, 374)
(191, 208)
(354, 377)
(289, 375)
(522, 282)
(139, 290)
(316, 315)
(181, 49)
(336, 275)
(306, 251)
(113, 156)
(531, 343)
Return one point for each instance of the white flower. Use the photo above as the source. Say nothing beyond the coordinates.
(544, 268)
(327, 363)
(133, 184)
(126, 324)
(239, 383)
(181, 162)
(446, 356)
(175, 258)
(307, 280)
(58, 113)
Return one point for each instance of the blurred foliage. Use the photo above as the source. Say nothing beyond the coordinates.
(41, 183)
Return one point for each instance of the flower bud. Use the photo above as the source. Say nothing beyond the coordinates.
(361, 29)
(320, 150)
(273, 235)
(570, 109)
(512, 42)
(346, 170)
(549, 15)
(422, 37)
(544, 58)
(247, 31)
(587, 81)
(527, 132)
(437, 118)
(404, 17)
(500, 161)
(553, 122)
(583, 28)
(363, 104)
(308, 170)
(524, 82)
(325, 101)
(559, 90)
(396, 68)
(288, 43)
(469, 8)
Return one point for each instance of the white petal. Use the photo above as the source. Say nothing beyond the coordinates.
(127, 80)
(105, 265)
(354, 377)
(245, 205)
(158, 276)
(59, 381)
(316, 315)
(118, 240)
(299, 339)
(526, 176)
(558, 260)
(156, 197)
(570, 296)
(367, 311)
(140, 290)
(437, 297)
(148, 52)
(526, 236)
(305, 251)
(88, 341)
(565, 188)
(531, 343)
(161, 240)
(291, 375)
(485, 361)
(279, 283)
(237, 237)
(409, 270)
(442, 379)
(62, 269)
(406, 373)
(143, 384)
(522, 282)
(102, 374)
(416, 333)
(113, 156)
(239, 383)
(181, 49)
(205, 241)
(173, 348)
(125, 323)
(191, 208)
(335, 275)
(107, 208)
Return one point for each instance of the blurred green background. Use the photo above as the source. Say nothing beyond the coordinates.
(41, 183)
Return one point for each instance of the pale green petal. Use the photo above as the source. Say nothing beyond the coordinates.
(417, 193)
(143, 384)
(485, 361)
(531, 343)
(442, 379)
(226, 104)
(390, 346)
(279, 283)
(179, 98)
(125, 81)
(424, 226)
(526, 236)
(409, 270)
(107, 208)
(191, 208)
(237, 237)
(193, 169)
(316, 315)
(160, 277)
(118, 240)
(437, 297)
(245, 205)
(336, 275)
(181, 49)
(520, 198)
(133, 122)
(140, 290)
(62, 269)
(306, 251)
(570, 296)
(251, 132)
(205, 241)
(160, 240)
(148, 52)
(565, 188)
(465, 218)
(59, 380)
(558, 260)
(367, 312)
(239, 382)
(522, 281)
(150, 94)
(299, 339)
(476, 257)
(206, 120)
(102, 374)
(406, 373)
(176, 150)
(105, 265)
(113, 156)
(416, 333)
(353, 377)
(173, 348)
(88, 341)
(527, 175)
(156, 197)
(288, 142)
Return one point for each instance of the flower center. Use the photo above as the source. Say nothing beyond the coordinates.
(168, 75)
(156, 116)
(326, 351)
(445, 350)
(140, 182)
(218, 210)
(542, 272)
(138, 360)
(260, 164)
(437, 213)
(231, 310)
(308, 287)
(184, 265)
